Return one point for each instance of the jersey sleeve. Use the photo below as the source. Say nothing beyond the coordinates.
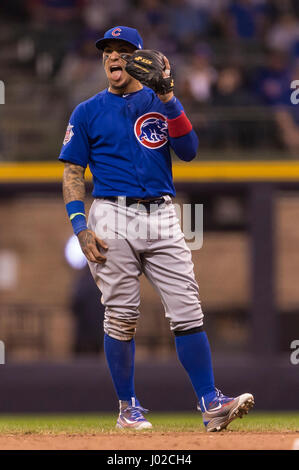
(75, 148)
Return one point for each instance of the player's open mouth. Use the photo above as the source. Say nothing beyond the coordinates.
(116, 71)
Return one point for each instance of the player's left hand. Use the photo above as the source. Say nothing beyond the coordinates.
(151, 68)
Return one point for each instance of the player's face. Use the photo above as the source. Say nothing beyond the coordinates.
(119, 79)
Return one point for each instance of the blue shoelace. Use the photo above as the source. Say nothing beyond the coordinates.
(219, 396)
(136, 412)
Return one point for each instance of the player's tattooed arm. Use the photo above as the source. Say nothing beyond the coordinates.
(74, 190)
(73, 183)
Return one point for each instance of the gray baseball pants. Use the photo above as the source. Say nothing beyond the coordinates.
(150, 243)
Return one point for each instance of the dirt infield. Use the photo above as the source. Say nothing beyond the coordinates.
(150, 441)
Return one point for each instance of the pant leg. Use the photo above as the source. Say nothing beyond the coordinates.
(168, 265)
(118, 278)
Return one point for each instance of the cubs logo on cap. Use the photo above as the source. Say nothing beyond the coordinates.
(116, 32)
(151, 130)
(124, 33)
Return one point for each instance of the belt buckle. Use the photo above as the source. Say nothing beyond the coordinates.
(139, 201)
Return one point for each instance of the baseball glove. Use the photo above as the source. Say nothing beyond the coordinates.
(147, 66)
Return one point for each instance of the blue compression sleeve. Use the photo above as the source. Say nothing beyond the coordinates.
(173, 108)
(185, 145)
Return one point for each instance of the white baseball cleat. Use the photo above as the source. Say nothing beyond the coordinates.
(223, 410)
(130, 416)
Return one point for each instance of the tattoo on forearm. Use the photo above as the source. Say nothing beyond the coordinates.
(73, 183)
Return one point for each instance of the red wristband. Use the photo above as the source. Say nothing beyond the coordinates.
(179, 126)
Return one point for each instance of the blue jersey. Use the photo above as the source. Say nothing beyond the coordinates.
(124, 139)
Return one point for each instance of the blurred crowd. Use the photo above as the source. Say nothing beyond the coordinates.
(233, 60)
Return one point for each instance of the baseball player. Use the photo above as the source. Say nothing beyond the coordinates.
(125, 134)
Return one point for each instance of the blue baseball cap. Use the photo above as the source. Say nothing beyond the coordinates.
(124, 33)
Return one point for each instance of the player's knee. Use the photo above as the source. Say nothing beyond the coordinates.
(190, 331)
(121, 328)
(180, 328)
